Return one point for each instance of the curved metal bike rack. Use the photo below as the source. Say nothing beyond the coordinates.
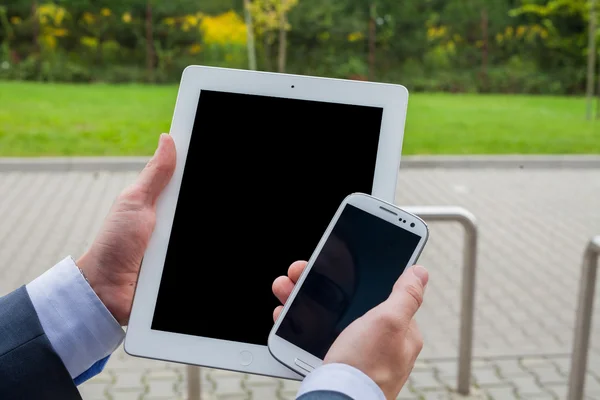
(467, 314)
(193, 383)
(465, 351)
(583, 321)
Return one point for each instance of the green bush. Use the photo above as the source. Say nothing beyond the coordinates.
(121, 74)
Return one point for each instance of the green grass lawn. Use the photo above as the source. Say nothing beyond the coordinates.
(77, 120)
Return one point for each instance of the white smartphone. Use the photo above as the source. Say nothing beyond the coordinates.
(366, 247)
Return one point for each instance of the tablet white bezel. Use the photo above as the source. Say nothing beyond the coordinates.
(223, 354)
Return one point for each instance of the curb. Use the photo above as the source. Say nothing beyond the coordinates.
(502, 162)
(76, 164)
(124, 164)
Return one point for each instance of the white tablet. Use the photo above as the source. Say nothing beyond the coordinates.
(263, 162)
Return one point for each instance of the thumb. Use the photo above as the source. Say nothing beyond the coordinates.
(157, 173)
(408, 292)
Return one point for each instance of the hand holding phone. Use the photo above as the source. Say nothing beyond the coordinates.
(385, 342)
(346, 287)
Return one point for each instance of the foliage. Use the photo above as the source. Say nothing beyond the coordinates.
(268, 16)
(508, 46)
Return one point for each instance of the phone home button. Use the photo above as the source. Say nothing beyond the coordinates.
(308, 368)
(246, 358)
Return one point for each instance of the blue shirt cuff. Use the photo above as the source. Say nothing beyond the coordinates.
(80, 328)
(92, 371)
(343, 379)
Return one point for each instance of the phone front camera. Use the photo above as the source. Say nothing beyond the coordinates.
(412, 224)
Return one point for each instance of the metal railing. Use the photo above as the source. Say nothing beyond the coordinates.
(583, 321)
(430, 214)
(194, 391)
(467, 314)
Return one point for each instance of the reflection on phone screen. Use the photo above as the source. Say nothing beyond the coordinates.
(354, 272)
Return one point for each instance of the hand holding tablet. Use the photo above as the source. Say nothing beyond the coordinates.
(263, 162)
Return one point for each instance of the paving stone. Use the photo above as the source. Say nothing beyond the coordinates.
(591, 383)
(93, 391)
(435, 395)
(562, 365)
(559, 390)
(510, 368)
(144, 397)
(233, 396)
(228, 385)
(288, 384)
(536, 362)
(548, 375)
(448, 381)
(258, 380)
(487, 377)
(102, 378)
(424, 380)
(406, 394)
(132, 394)
(421, 365)
(159, 388)
(527, 386)
(264, 392)
(481, 364)
(500, 393)
(448, 369)
(128, 380)
(163, 374)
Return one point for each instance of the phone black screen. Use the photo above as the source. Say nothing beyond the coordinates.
(262, 179)
(355, 271)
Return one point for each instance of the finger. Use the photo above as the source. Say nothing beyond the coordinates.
(408, 292)
(296, 270)
(277, 312)
(414, 338)
(157, 173)
(282, 288)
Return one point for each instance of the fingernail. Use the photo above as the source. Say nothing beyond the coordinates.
(160, 142)
(421, 273)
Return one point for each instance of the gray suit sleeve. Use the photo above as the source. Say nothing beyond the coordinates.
(324, 395)
(29, 366)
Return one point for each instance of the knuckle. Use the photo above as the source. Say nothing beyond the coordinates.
(389, 322)
(157, 168)
(132, 197)
(161, 168)
(419, 343)
(415, 292)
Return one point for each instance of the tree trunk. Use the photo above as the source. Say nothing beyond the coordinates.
(267, 52)
(250, 34)
(36, 40)
(372, 40)
(149, 42)
(591, 64)
(598, 101)
(282, 38)
(484, 47)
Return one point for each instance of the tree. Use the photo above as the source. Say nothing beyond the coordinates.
(250, 33)
(270, 19)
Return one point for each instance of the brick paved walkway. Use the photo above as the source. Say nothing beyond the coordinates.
(534, 225)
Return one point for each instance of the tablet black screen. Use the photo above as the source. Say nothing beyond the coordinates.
(262, 180)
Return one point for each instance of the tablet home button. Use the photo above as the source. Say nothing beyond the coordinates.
(246, 358)
(303, 365)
